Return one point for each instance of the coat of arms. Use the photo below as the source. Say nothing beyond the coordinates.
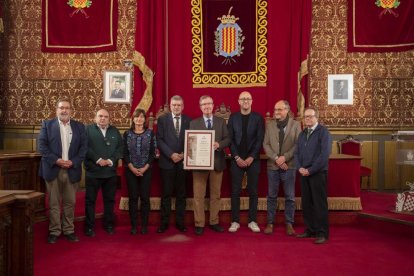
(79, 6)
(388, 5)
(228, 38)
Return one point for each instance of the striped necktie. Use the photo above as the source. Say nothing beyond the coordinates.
(177, 126)
(208, 123)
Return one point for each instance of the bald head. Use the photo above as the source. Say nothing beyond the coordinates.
(245, 102)
(102, 118)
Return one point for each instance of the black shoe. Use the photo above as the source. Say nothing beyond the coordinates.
(110, 230)
(51, 239)
(217, 228)
(305, 235)
(133, 231)
(162, 228)
(144, 230)
(72, 237)
(199, 231)
(320, 240)
(181, 228)
(89, 232)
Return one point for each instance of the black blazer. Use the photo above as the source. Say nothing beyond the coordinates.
(255, 133)
(167, 142)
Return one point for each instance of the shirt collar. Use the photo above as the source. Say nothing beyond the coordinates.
(61, 123)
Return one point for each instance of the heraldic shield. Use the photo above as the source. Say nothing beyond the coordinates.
(228, 38)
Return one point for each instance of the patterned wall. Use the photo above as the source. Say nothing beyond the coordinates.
(32, 81)
(383, 82)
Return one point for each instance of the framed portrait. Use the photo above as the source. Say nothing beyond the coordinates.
(341, 89)
(198, 150)
(117, 87)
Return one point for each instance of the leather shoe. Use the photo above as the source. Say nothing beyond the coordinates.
(110, 230)
(289, 230)
(144, 230)
(51, 239)
(162, 228)
(133, 231)
(199, 231)
(269, 229)
(320, 240)
(305, 235)
(72, 237)
(89, 232)
(181, 228)
(217, 228)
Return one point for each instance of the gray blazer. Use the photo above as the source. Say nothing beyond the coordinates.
(271, 143)
(221, 136)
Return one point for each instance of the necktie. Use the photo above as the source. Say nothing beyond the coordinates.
(208, 123)
(308, 133)
(177, 126)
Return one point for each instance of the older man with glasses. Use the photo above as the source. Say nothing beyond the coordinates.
(279, 144)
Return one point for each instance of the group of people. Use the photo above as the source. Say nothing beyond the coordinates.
(65, 143)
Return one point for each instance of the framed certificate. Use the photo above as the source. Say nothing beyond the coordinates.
(198, 150)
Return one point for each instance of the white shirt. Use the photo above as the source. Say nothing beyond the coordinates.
(66, 138)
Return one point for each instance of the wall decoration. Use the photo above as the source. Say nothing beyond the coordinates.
(117, 87)
(340, 89)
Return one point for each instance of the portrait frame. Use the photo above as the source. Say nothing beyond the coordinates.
(117, 87)
(341, 89)
(198, 150)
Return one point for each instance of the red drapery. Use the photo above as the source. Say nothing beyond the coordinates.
(288, 35)
(79, 26)
(380, 26)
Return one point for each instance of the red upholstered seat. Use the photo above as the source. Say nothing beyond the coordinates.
(351, 146)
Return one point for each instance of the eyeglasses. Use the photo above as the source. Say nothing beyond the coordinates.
(204, 104)
(279, 109)
(245, 99)
(309, 116)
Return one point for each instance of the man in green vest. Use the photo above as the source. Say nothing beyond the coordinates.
(105, 148)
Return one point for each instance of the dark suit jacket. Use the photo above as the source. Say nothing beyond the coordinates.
(221, 136)
(109, 147)
(50, 146)
(255, 134)
(167, 142)
(313, 153)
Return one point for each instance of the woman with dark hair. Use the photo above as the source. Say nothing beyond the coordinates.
(139, 152)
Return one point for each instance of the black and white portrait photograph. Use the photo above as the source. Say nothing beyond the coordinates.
(340, 89)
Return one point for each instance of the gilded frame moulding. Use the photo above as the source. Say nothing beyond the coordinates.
(257, 78)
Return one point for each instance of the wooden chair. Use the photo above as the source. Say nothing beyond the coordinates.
(352, 146)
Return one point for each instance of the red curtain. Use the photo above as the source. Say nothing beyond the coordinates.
(382, 26)
(150, 43)
(82, 26)
(289, 25)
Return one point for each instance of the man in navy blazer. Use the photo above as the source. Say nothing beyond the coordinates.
(63, 145)
(246, 130)
(170, 141)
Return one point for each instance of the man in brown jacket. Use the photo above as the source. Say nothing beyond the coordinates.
(279, 144)
(200, 178)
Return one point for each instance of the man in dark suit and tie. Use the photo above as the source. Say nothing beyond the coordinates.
(63, 145)
(200, 178)
(246, 129)
(170, 141)
(118, 93)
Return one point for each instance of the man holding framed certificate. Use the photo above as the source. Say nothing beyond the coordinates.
(217, 139)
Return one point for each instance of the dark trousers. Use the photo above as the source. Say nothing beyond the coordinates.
(236, 187)
(173, 179)
(108, 186)
(138, 186)
(315, 204)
